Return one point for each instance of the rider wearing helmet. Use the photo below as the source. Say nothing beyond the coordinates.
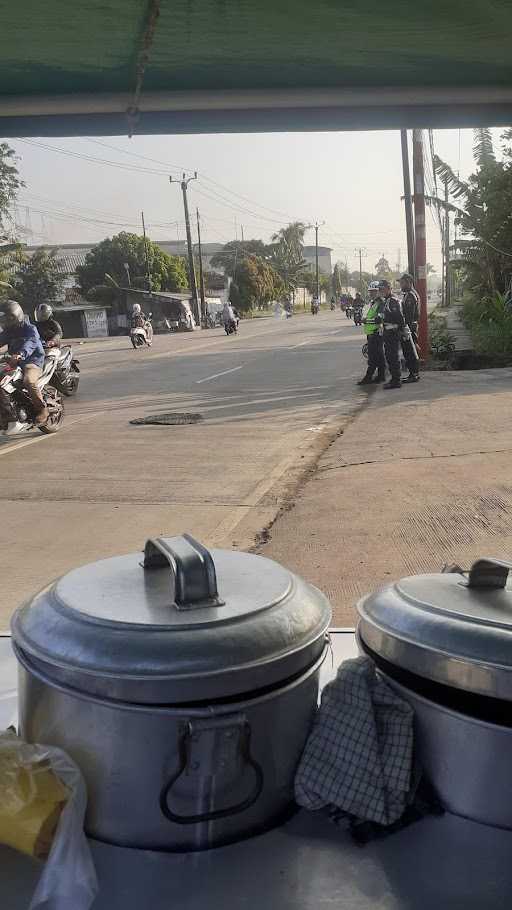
(138, 317)
(49, 329)
(26, 350)
(373, 330)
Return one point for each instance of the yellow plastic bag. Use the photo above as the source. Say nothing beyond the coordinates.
(31, 797)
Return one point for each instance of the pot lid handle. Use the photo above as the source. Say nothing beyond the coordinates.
(193, 579)
(489, 573)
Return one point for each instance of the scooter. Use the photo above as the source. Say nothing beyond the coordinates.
(231, 328)
(142, 335)
(67, 371)
(358, 316)
(349, 311)
(314, 309)
(21, 417)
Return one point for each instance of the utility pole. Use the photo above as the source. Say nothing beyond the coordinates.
(420, 235)
(447, 289)
(408, 203)
(242, 232)
(193, 284)
(204, 321)
(360, 252)
(317, 280)
(146, 258)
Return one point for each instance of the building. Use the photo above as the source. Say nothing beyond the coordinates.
(324, 258)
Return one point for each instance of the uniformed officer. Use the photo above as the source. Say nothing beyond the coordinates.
(411, 309)
(393, 323)
(373, 329)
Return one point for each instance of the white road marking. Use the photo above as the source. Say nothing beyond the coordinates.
(300, 345)
(216, 375)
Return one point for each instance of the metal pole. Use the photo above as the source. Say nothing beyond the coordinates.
(420, 235)
(360, 272)
(447, 289)
(146, 257)
(201, 274)
(408, 203)
(191, 268)
(316, 264)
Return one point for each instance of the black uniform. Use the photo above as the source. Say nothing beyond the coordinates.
(394, 324)
(411, 311)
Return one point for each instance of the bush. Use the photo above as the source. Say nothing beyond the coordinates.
(489, 319)
(442, 344)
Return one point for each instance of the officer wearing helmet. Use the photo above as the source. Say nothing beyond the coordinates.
(373, 329)
(25, 349)
(393, 324)
(48, 327)
(411, 310)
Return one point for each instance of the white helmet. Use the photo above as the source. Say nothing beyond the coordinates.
(373, 286)
(136, 309)
(43, 312)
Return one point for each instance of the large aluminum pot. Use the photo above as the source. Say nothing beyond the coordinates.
(443, 641)
(184, 688)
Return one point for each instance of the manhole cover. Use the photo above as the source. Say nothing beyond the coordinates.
(168, 420)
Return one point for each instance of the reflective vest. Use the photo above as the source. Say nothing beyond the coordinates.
(370, 327)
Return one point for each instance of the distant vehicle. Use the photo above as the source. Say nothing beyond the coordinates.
(142, 335)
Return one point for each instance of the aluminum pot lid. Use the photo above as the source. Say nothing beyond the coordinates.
(180, 624)
(453, 627)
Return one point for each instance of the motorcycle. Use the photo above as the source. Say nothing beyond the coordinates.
(314, 309)
(231, 328)
(358, 316)
(21, 417)
(349, 311)
(67, 371)
(142, 335)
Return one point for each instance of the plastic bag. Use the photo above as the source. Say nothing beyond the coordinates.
(42, 809)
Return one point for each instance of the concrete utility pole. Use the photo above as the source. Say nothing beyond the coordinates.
(193, 284)
(204, 321)
(409, 226)
(146, 257)
(420, 235)
(360, 252)
(447, 289)
(317, 279)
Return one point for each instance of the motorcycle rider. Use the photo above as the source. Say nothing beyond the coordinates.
(374, 337)
(26, 350)
(49, 329)
(411, 310)
(228, 316)
(139, 321)
(394, 324)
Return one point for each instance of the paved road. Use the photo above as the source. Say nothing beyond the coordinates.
(271, 398)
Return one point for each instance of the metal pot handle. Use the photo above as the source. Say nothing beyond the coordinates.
(216, 726)
(489, 573)
(193, 579)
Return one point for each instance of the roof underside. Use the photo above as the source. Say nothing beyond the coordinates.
(223, 65)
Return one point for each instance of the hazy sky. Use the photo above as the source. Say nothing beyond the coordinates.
(352, 181)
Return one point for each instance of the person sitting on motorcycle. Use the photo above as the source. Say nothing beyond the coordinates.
(139, 318)
(26, 350)
(228, 316)
(49, 329)
(358, 302)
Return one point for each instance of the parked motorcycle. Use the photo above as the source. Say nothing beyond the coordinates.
(67, 371)
(142, 335)
(21, 417)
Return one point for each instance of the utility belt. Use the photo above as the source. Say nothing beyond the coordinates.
(391, 327)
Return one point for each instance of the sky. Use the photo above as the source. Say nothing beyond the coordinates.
(351, 183)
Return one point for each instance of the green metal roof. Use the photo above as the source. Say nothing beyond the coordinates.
(231, 64)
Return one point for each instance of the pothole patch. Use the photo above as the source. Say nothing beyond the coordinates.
(167, 420)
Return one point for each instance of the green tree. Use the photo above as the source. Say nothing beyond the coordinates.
(231, 255)
(287, 255)
(10, 182)
(108, 258)
(482, 206)
(37, 280)
(257, 283)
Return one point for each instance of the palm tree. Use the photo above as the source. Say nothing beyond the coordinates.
(287, 255)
